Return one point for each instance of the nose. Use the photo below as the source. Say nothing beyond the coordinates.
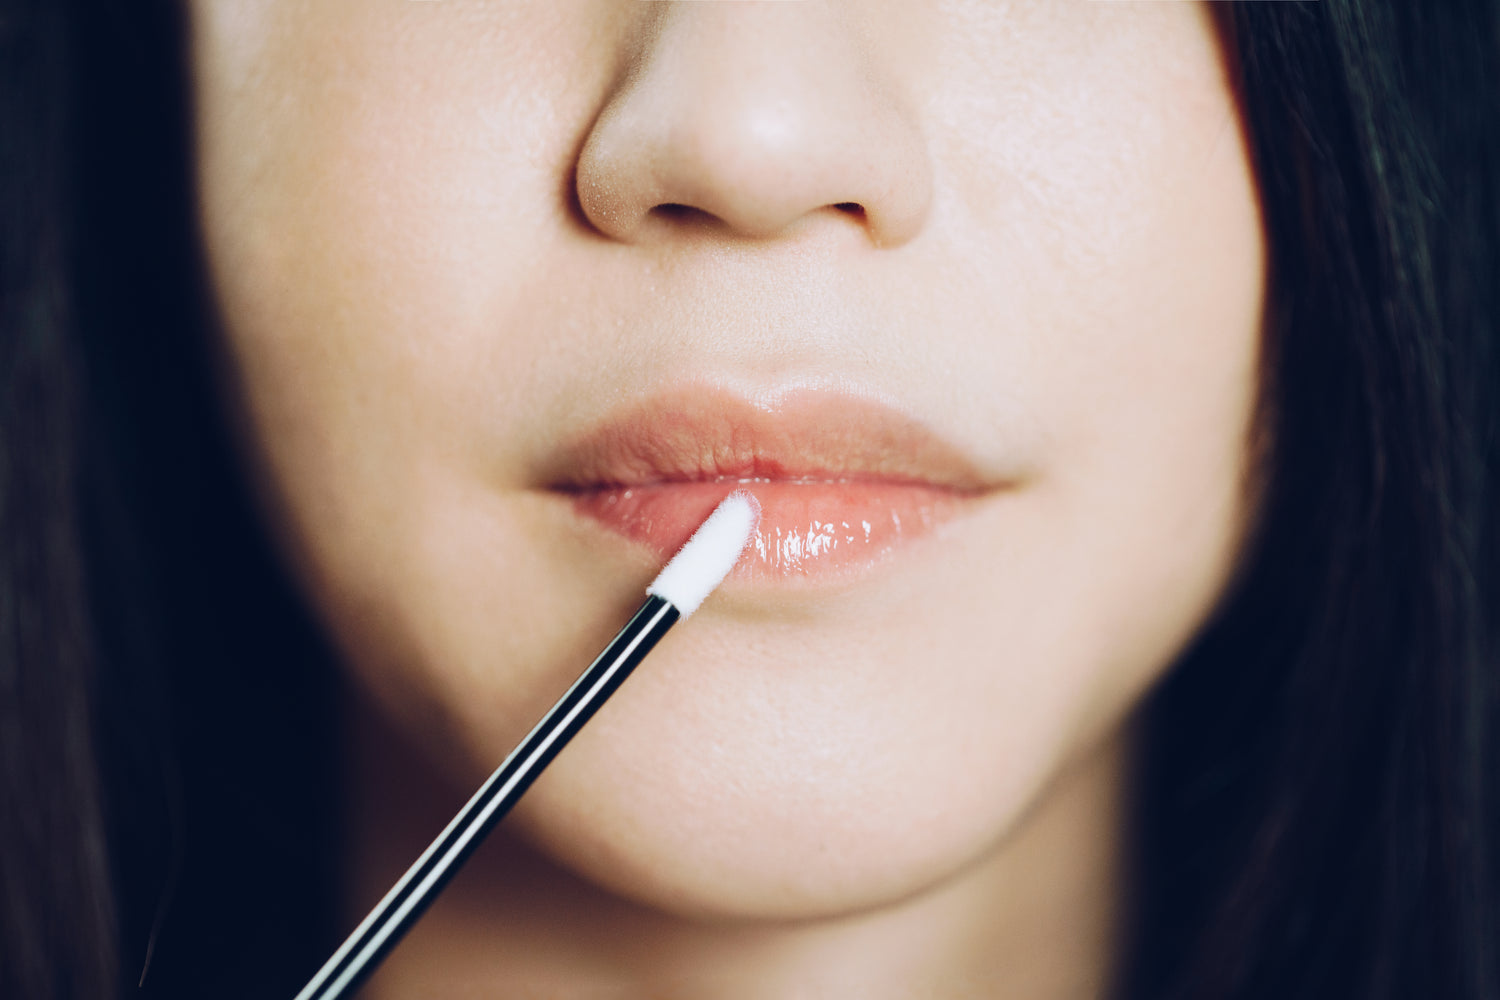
(753, 118)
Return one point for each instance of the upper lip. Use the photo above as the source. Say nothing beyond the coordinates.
(705, 435)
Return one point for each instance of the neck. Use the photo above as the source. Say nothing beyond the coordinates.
(1033, 918)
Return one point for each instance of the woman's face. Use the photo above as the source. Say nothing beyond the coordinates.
(511, 290)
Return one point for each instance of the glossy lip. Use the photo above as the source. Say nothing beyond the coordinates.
(843, 482)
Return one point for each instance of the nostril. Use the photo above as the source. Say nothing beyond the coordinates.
(673, 212)
(680, 216)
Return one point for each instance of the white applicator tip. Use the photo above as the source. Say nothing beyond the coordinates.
(706, 559)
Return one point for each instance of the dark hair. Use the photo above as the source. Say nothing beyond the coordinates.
(165, 705)
(1316, 796)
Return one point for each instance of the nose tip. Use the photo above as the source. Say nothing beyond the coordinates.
(752, 123)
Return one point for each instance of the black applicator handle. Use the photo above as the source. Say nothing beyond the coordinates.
(359, 956)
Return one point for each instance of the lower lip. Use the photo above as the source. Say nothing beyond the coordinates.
(807, 529)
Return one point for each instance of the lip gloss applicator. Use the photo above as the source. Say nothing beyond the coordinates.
(690, 576)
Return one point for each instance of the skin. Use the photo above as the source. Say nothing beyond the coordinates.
(438, 247)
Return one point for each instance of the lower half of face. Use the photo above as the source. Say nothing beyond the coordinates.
(970, 292)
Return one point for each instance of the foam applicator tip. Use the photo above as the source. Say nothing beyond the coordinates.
(701, 564)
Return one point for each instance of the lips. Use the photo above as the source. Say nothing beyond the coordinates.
(842, 482)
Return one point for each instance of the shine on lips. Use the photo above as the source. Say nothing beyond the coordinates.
(842, 482)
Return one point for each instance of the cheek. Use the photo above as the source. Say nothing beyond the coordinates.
(1111, 218)
(377, 187)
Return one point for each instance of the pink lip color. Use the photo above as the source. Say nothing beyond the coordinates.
(806, 528)
(842, 482)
